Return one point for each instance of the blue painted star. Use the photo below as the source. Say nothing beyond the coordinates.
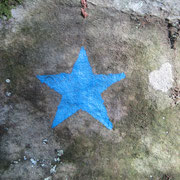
(81, 89)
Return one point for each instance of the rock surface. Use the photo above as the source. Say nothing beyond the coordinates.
(45, 38)
(164, 9)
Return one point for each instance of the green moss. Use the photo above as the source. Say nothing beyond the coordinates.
(6, 6)
(99, 159)
(4, 165)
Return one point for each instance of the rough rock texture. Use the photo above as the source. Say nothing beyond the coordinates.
(164, 9)
(45, 38)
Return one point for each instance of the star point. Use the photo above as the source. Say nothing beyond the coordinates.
(81, 89)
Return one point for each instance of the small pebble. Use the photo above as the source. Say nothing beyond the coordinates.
(167, 132)
(150, 176)
(175, 24)
(15, 162)
(53, 169)
(33, 161)
(8, 94)
(48, 178)
(8, 80)
(60, 152)
(45, 141)
(57, 159)
(163, 117)
(42, 165)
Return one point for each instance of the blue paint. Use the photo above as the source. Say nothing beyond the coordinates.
(81, 89)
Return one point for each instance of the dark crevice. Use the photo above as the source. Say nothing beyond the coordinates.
(173, 32)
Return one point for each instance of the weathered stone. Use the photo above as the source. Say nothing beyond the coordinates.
(46, 39)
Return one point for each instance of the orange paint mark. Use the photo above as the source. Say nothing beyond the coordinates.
(84, 6)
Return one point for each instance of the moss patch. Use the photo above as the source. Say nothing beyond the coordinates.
(4, 165)
(15, 69)
(6, 6)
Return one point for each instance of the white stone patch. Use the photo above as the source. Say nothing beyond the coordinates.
(136, 6)
(162, 79)
(8, 80)
(18, 13)
(45, 141)
(48, 178)
(8, 94)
